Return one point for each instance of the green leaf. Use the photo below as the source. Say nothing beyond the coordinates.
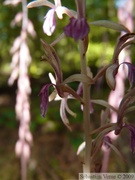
(110, 25)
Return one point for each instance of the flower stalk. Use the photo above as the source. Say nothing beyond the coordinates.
(86, 91)
(86, 112)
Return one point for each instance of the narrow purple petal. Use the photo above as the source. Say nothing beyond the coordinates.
(44, 93)
(132, 136)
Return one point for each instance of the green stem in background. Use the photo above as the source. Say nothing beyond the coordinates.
(81, 5)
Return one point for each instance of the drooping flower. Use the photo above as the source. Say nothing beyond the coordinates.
(61, 89)
(44, 93)
(124, 107)
(49, 24)
(131, 128)
(112, 71)
(131, 73)
(77, 28)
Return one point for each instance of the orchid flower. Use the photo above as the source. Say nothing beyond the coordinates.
(44, 93)
(131, 128)
(112, 70)
(49, 24)
(124, 108)
(61, 90)
(131, 73)
(64, 106)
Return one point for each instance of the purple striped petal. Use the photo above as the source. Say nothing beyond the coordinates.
(44, 93)
(77, 28)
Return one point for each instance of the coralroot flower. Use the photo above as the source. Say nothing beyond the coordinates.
(131, 73)
(49, 24)
(44, 93)
(131, 128)
(60, 88)
(77, 28)
(112, 71)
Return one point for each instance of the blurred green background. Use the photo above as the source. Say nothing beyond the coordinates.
(54, 149)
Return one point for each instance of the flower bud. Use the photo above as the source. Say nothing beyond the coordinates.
(77, 29)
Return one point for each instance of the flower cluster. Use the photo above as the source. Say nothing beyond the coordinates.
(78, 28)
